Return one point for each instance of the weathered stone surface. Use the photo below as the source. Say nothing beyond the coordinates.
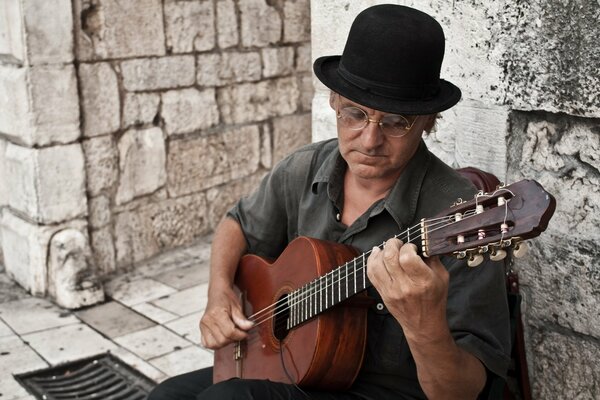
(140, 108)
(48, 185)
(101, 163)
(49, 40)
(189, 25)
(141, 163)
(25, 247)
(221, 198)
(289, 133)
(258, 101)
(72, 279)
(14, 103)
(3, 175)
(227, 25)
(296, 25)
(54, 104)
(303, 58)
(323, 117)
(263, 33)
(277, 61)
(266, 146)
(562, 273)
(103, 250)
(158, 73)
(307, 92)
(564, 366)
(11, 26)
(189, 110)
(227, 68)
(100, 99)
(143, 232)
(200, 163)
(117, 29)
(99, 211)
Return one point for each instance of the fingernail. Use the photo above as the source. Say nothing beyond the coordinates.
(375, 250)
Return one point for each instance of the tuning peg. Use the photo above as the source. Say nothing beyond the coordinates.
(497, 255)
(520, 249)
(474, 260)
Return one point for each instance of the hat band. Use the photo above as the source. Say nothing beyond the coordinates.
(399, 92)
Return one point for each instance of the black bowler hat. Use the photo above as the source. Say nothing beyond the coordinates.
(391, 63)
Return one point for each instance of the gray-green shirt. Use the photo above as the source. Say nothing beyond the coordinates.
(303, 196)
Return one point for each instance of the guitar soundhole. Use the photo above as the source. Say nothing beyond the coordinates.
(280, 319)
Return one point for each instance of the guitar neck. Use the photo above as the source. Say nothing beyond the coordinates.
(338, 285)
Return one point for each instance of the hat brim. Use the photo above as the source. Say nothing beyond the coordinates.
(326, 69)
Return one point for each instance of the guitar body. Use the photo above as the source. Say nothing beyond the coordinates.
(323, 352)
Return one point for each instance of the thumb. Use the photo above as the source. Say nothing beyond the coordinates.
(240, 320)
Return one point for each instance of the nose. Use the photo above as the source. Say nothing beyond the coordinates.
(371, 135)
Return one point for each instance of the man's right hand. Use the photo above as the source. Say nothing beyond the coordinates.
(223, 321)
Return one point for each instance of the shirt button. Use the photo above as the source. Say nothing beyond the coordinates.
(338, 217)
(380, 306)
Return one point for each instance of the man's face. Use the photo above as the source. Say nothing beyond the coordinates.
(369, 153)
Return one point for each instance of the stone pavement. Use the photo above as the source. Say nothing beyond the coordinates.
(149, 321)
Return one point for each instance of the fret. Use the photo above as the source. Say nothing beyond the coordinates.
(408, 234)
(355, 275)
(364, 269)
(339, 283)
(346, 277)
(304, 307)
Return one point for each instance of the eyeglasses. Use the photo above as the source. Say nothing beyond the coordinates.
(392, 125)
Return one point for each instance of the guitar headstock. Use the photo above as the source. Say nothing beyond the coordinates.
(489, 223)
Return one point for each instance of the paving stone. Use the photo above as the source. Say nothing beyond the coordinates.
(5, 330)
(158, 73)
(187, 327)
(189, 110)
(140, 108)
(10, 290)
(139, 364)
(112, 319)
(185, 302)
(277, 61)
(16, 358)
(141, 163)
(68, 343)
(227, 25)
(137, 291)
(101, 103)
(152, 342)
(184, 277)
(154, 313)
(202, 162)
(34, 314)
(189, 25)
(184, 360)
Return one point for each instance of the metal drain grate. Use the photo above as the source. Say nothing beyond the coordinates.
(102, 377)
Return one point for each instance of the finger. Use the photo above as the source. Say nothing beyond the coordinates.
(437, 267)
(240, 319)
(412, 264)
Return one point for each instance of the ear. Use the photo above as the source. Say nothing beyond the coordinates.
(332, 100)
(430, 123)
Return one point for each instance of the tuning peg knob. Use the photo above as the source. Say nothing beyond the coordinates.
(520, 249)
(497, 255)
(474, 260)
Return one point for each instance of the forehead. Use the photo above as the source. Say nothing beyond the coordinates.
(347, 102)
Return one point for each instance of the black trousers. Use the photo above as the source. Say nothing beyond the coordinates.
(197, 385)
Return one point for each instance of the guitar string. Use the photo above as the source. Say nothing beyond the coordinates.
(282, 305)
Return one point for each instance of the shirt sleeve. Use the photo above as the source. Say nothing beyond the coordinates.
(477, 312)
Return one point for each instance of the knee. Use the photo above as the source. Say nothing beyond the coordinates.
(167, 390)
(233, 389)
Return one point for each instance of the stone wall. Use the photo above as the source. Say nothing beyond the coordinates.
(141, 122)
(530, 109)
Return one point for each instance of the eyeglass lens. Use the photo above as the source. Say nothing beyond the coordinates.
(355, 118)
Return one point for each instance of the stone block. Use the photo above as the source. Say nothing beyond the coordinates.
(251, 102)
(323, 117)
(3, 177)
(25, 247)
(296, 21)
(14, 104)
(189, 110)
(103, 250)
(202, 162)
(221, 198)
(99, 211)
(544, 147)
(48, 184)
(303, 58)
(145, 231)
(119, 29)
(227, 24)
(227, 68)
(158, 73)
(190, 25)
(101, 164)
(277, 61)
(266, 146)
(49, 40)
(100, 99)
(307, 91)
(268, 31)
(289, 133)
(563, 366)
(140, 108)
(141, 163)
(11, 26)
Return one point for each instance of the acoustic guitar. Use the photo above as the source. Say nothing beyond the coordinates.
(309, 306)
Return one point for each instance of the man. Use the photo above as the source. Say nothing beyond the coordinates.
(437, 330)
